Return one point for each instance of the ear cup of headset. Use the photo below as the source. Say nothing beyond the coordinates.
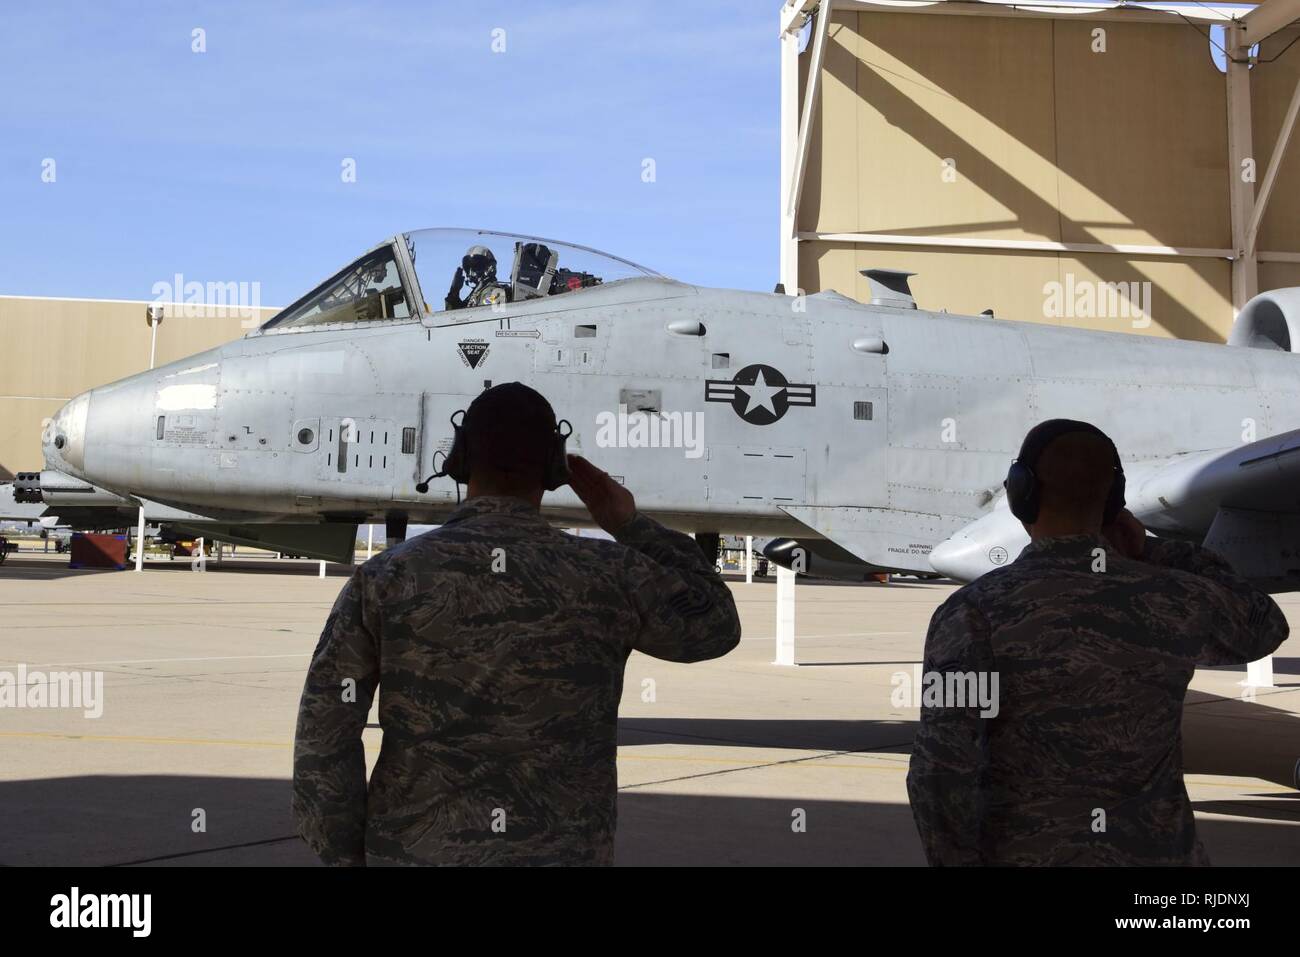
(557, 465)
(1115, 500)
(1022, 492)
(456, 465)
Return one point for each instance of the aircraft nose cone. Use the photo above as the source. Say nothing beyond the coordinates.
(64, 438)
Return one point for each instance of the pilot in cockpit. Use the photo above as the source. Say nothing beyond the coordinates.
(478, 269)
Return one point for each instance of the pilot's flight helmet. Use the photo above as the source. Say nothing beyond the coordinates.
(478, 263)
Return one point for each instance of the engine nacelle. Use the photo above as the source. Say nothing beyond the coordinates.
(1269, 321)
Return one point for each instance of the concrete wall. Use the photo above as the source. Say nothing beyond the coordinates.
(54, 349)
(1051, 141)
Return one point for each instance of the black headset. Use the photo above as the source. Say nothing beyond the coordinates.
(1024, 494)
(455, 464)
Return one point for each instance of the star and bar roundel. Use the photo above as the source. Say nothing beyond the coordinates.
(760, 394)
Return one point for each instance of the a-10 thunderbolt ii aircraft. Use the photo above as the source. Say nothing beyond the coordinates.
(875, 436)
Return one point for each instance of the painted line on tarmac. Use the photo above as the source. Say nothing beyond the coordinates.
(206, 850)
(847, 634)
(127, 603)
(308, 654)
(143, 661)
(132, 739)
(740, 764)
(759, 767)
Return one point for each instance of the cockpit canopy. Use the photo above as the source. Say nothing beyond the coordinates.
(368, 290)
(430, 271)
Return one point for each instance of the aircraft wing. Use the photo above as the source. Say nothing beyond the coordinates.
(1242, 501)
(1181, 495)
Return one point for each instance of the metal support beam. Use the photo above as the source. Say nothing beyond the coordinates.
(794, 13)
(1055, 10)
(1241, 191)
(1274, 163)
(1246, 206)
(811, 94)
(1267, 18)
(1028, 245)
(789, 249)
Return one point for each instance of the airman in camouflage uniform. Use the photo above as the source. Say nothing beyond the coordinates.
(497, 644)
(1094, 648)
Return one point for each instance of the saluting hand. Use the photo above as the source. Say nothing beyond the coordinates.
(610, 504)
(1127, 534)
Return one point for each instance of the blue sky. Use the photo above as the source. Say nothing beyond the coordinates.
(225, 165)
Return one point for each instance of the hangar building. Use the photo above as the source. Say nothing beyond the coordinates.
(55, 349)
(1015, 154)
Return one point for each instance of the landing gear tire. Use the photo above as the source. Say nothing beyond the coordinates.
(711, 545)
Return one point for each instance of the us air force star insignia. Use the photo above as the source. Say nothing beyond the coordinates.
(760, 394)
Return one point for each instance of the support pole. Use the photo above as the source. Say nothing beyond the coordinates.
(322, 569)
(370, 542)
(811, 93)
(1241, 192)
(789, 248)
(784, 617)
(1270, 177)
(139, 542)
(749, 559)
(1259, 674)
(153, 318)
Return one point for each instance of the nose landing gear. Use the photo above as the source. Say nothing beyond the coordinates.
(710, 544)
(395, 528)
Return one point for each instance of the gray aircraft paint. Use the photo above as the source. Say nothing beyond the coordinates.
(255, 431)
